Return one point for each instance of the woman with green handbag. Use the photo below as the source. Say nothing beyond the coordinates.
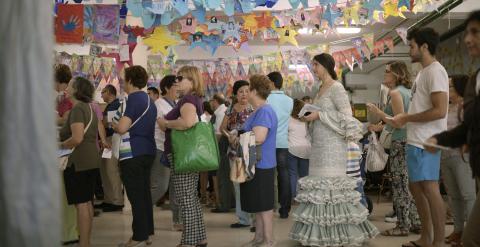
(184, 116)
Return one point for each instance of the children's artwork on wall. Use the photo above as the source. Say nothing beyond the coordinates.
(69, 23)
(106, 27)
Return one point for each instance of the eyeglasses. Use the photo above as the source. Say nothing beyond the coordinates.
(179, 78)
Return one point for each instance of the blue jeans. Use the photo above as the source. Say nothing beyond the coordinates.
(297, 168)
(359, 188)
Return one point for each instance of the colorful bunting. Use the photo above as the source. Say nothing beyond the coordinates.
(402, 33)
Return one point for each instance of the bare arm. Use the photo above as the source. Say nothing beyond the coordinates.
(77, 136)
(123, 125)
(438, 111)
(223, 126)
(260, 134)
(188, 118)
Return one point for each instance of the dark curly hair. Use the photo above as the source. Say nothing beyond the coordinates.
(63, 74)
(83, 89)
(137, 76)
(166, 83)
(427, 36)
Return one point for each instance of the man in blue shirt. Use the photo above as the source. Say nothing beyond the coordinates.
(282, 105)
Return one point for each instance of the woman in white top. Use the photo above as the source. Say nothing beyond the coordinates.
(160, 173)
(298, 147)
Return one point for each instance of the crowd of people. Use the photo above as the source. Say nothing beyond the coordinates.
(302, 155)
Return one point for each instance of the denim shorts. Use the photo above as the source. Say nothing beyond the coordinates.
(422, 165)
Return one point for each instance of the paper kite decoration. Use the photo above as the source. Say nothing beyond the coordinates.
(330, 16)
(160, 40)
(287, 35)
(181, 6)
(199, 14)
(371, 6)
(350, 13)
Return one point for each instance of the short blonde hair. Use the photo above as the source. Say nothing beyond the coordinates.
(193, 74)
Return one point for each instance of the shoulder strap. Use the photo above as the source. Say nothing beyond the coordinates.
(143, 114)
(91, 119)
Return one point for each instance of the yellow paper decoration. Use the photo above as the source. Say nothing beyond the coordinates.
(250, 23)
(278, 61)
(351, 13)
(391, 9)
(160, 40)
(286, 34)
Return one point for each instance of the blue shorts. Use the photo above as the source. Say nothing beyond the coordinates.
(422, 165)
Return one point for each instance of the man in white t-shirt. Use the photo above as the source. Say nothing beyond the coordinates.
(427, 115)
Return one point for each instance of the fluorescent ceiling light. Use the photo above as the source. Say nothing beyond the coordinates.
(348, 30)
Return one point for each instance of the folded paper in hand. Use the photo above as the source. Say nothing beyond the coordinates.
(107, 153)
(307, 108)
(64, 152)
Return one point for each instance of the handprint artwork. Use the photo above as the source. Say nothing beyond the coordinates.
(106, 26)
(69, 23)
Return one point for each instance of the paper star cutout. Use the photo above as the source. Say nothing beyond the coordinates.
(216, 26)
(326, 2)
(316, 15)
(171, 57)
(331, 16)
(229, 8)
(250, 23)
(350, 13)
(188, 25)
(181, 6)
(157, 7)
(212, 4)
(302, 17)
(391, 9)
(199, 14)
(197, 40)
(160, 40)
(285, 35)
(231, 30)
(284, 19)
(372, 5)
(247, 6)
(404, 3)
(264, 21)
(213, 41)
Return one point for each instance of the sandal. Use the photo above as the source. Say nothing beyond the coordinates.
(416, 229)
(395, 232)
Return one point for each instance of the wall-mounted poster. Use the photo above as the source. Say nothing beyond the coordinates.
(69, 23)
(106, 27)
(360, 112)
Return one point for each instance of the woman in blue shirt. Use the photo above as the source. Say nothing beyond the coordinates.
(139, 121)
(257, 195)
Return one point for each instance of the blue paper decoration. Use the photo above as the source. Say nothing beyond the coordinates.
(123, 9)
(229, 7)
(157, 8)
(231, 30)
(327, 2)
(213, 41)
(405, 3)
(198, 40)
(260, 2)
(135, 7)
(181, 6)
(372, 5)
(199, 13)
(167, 18)
(330, 16)
(294, 3)
(212, 4)
(270, 3)
(247, 6)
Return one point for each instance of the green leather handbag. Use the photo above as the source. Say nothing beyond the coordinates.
(195, 149)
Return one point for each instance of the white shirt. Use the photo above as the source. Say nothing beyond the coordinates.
(205, 118)
(477, 87)
(298, 140)
(219, 115)
(433, 78)
(163, 108)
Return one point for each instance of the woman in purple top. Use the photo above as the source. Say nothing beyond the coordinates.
(185, 115)
(256, 195)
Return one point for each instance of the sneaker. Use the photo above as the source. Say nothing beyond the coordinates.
(391, 217)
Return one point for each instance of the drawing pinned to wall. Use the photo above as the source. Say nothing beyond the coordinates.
(106, 26)
(69, 23)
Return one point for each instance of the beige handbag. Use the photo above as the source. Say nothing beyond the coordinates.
(63, 160)
(237, 171)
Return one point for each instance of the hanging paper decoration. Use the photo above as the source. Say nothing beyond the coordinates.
(369, 40)
(181, 6)
(157, 8)
(402, 33)
(69, 23)
(198, 41)
(264, 21)
(379, 48)
(250, 23)
(160, 40)
(302, 17)
(287, 35)
(391, 9)
(212, 4)
(389, 43)
(199, 14)
(88, 17)
(214, 24)
(231, 30)
(331, 15)
(350, 13)
(269, 34)
(106, 25)
(123, 9)
(213, 42)
(372, 6)
(189, 25)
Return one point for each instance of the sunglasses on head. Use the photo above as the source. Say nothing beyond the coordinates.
(178, 78)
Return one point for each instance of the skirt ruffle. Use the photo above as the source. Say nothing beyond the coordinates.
(330, 213)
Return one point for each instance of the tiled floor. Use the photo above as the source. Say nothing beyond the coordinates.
(110, 229)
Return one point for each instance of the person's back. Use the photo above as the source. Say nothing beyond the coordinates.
(282, 105)
(399, 133)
